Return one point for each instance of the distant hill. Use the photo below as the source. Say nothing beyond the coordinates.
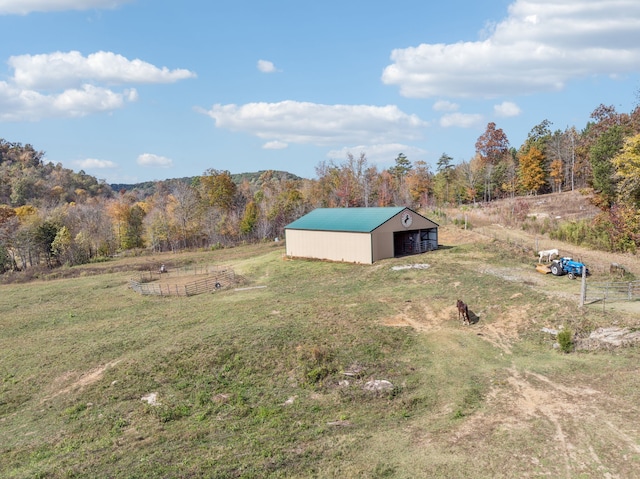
(25, 179)
(148, 188)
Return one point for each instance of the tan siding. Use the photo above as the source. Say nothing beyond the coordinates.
(331, 245)
(357, 247)
(382, 244)
(395, 224)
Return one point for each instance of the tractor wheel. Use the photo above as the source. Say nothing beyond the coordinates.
(572, 275)
(555, 269)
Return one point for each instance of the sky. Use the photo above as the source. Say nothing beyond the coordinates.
(141, 90)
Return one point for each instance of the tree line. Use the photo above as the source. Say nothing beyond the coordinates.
(51, 216)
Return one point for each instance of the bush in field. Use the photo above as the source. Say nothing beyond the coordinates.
(565, 340)
(317, 363)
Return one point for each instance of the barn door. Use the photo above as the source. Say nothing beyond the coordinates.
(406, 242)
(414, 242)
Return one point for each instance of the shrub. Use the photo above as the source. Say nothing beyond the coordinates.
(565, 340)
(317, 363)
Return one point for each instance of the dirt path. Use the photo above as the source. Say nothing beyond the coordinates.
(73, 380)
(584, 429)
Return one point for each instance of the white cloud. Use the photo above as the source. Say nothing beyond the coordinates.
(461, 120)
(29, 105)
(312, 123)
(539, 46)
(444, 105)
(506, 109)
(154, 161)
(59, 85)
(67, 69)
(275, 145)
(23, 7)
(266, 66)
(131, 94)
(93, 163)
(381, 154)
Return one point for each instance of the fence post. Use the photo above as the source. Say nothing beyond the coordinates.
(583, 288)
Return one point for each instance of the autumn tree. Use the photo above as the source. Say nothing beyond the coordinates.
(563, 147)
(279, 201)
(128, 222)
(157, 219)
(220, 217)
(491, 147)
(508, 172)
(289, 205)
(184, 211)
(323, 192)
(6, 212)
(90, 219)
(531, 170)
(556, 174)
(218, 188)
(369, 180)
(419, 183)
(385, 189)
(346, 184)
(62, 247)
(627, 166)
(469, 177)
(540, 137)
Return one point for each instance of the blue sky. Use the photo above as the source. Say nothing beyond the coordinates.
(139, 90)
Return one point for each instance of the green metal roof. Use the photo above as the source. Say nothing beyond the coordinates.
(356, 220)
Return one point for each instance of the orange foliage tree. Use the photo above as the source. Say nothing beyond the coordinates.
(531, 171)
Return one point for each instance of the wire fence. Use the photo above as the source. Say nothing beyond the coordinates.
(216, 277)
(612, 291)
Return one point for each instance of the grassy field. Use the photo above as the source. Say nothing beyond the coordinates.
(267, 379)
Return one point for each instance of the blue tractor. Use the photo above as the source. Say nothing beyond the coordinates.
(568, 266)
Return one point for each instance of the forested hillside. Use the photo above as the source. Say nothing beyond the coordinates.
(148, 188)
(26, 180)
(53, 216)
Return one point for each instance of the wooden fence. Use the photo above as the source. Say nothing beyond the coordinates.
(612, 291)
(216, 278)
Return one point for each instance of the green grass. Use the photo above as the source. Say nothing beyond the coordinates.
(251, 383)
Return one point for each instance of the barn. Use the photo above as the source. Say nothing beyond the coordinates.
(360, 235)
